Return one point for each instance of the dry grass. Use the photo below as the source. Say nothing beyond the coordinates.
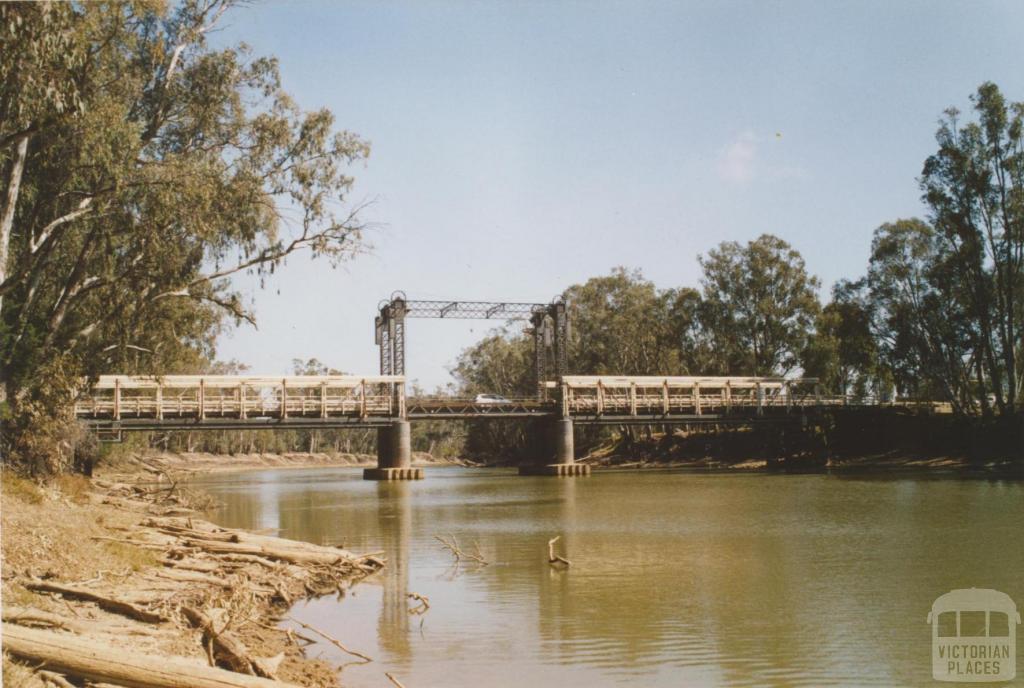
(18, 675)
(74, 487)
(45, 532)
(15, 487)
(127, 556)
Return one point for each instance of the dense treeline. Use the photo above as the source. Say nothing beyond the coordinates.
(938, 315)
(143, 168)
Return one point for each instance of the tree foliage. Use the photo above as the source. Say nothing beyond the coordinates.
(759, 305)
(974, 188)
(144, 169)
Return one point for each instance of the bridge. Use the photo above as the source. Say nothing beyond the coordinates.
(118, 403)
(223, 402)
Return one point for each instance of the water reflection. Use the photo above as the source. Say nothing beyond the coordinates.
(394, 519)
(676, 578)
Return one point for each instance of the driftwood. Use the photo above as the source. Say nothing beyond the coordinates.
(52, 679)
(294, 556)
(333, 641)
(106, 603)
(192, 577)
(201, 566)
(422, 607)
(554, 558)
(452, 545)
(97, 661)
(27, 616)
(391, 677)
(231, 652)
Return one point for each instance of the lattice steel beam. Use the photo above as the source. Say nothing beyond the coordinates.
(472, 310)
(550, 322)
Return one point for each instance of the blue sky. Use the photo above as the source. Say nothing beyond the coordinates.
(520, 147)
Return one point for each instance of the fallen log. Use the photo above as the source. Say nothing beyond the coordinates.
(106, 603)
(201, 566)
(192, 577)
(98, 661)
(294, 556)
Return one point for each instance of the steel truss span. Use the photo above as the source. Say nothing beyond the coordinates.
(550, 322)
(473, 310)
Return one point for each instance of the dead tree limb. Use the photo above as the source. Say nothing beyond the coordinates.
(333, 641)
(422, 607)
(554, 558)
(452, 545)
(226, 648)
(106, 603)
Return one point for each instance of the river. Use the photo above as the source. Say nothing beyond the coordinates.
(677, 578)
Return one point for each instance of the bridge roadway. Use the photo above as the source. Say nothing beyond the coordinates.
(197, 402)
(116, 403)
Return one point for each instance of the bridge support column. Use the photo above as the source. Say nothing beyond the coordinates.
(564, 465)
(394, 454)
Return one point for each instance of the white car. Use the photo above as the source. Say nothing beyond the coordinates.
(491, 399)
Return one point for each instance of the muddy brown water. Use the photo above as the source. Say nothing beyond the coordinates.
(677, 578)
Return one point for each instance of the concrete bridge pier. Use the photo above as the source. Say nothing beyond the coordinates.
(563, 463)
(394, 454)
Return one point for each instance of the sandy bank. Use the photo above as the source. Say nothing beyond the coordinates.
(128, 585)
(159, 463)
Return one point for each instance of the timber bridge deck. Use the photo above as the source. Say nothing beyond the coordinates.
(192, 402)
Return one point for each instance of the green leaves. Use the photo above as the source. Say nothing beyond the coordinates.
(156, 169)
(974, 188)
(759, 305)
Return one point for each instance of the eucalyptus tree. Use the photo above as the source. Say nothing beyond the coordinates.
(501, 363)
(919, 313)
(974, 187)
(759, 305)
(622, 324)
(159, 168)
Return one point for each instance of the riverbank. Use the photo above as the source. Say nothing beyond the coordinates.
(158, 465)
(117, 583)
(850, 444)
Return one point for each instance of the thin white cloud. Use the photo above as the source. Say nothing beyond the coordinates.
(737, 162)
(745, 159)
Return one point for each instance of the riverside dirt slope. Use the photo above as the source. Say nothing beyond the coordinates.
(135, 571)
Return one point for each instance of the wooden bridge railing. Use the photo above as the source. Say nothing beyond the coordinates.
(200, 397)
(640, 395)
